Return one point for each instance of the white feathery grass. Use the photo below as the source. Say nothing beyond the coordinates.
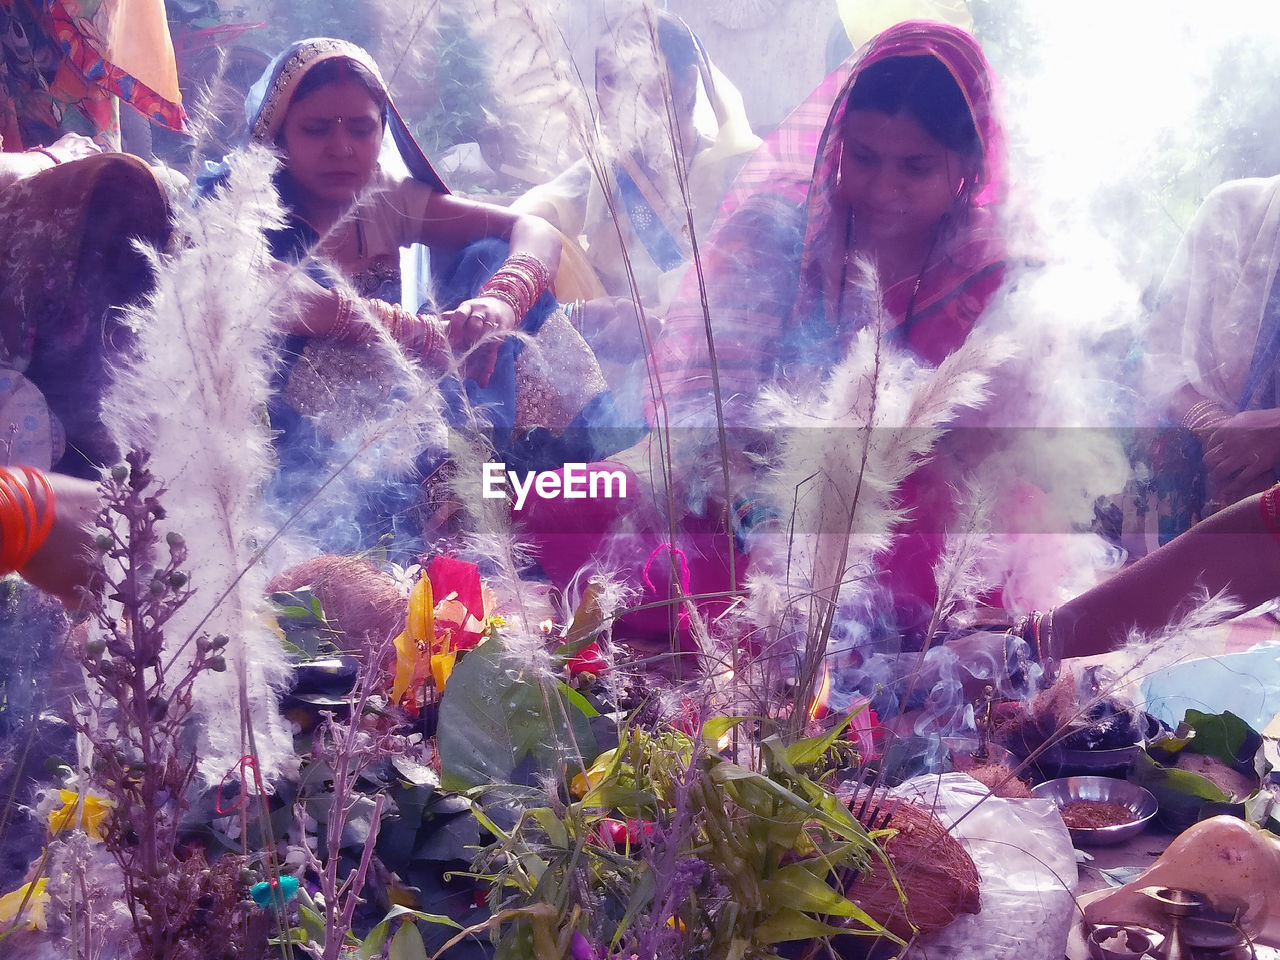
(845, 452)
(962, 573)
(492, 543)
(194, 396)
(1182, 639)
(528, 52)
(406, 39)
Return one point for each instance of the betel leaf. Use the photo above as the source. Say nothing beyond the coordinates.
(1223, 736)
(499, 713)
(1183, 795)
(1160, 779)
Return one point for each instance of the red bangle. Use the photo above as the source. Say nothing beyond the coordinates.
(519, 282)
(50, 506)
(1269, 507)
(12, 528)
(25, 527)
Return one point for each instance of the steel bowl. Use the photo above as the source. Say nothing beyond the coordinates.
(1138, 801)
(1113, 941)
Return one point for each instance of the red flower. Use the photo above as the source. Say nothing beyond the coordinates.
(588, 660)
(460, 600)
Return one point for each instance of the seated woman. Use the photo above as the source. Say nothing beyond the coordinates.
(909, 169)
(643, 221)
(324, 105)
(639, 231)
(909, 165)
(1216, 339)
(70, 218)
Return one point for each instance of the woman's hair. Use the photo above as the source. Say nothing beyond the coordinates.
(339, 70)
(922, 88)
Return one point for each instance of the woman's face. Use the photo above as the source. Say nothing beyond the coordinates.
(331, 141)
(897, 179)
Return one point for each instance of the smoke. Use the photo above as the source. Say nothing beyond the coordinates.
(1120, 118)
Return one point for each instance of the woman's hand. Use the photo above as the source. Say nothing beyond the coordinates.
(62, 564)
(1241, 455)
(479, 324)
(72, 146)
(611, 327)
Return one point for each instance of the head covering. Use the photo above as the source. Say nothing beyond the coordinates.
(805, 148)
(782, 209)
(270, 98)
(960, 54)
(801, 161)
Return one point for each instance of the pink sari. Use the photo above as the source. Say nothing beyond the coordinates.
(763, 275)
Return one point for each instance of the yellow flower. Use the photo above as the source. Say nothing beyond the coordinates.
(413, 645)
(442, 667)
(591, 778)
(32, 900)
(86, 812)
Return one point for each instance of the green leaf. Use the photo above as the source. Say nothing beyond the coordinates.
(813, 749)
(373, 943)
(578, 700)
(796, 887)
(397, 911)
(311, 923)
(716, 727)
(788, 924)
(614, 797)
(642, 892)
(552, 826)
(498, 713)
(1224, 736)
(834, 818)
(407, 944)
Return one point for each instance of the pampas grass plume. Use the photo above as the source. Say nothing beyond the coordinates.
(194, 395)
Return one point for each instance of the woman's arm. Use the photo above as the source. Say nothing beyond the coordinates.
(500, 307)
(340, 315)
(19, 166)
(455, 222)
(1236, 551)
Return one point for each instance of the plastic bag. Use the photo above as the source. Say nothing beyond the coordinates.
(1027, 863)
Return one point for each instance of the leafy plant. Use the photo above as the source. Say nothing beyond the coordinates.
(139, 702)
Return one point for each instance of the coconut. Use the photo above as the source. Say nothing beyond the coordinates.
(1000, 780)
(938, 879)
(361, 602)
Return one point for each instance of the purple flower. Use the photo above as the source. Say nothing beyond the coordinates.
(581, 949)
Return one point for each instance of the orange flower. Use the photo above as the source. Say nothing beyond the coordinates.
(437, 631)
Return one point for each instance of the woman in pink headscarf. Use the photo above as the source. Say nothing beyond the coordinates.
(905, 171)
(898, 162)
